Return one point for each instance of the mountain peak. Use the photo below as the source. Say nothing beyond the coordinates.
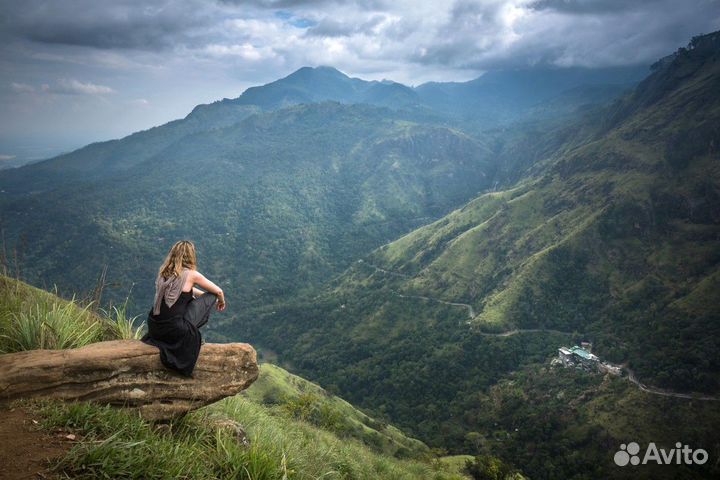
(320, 70)
(317, 84)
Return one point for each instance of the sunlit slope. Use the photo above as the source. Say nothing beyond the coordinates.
(307, 401)
(618, 239)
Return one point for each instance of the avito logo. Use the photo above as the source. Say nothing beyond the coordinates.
(680, 455)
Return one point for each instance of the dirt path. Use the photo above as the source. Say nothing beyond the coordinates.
(25, 450)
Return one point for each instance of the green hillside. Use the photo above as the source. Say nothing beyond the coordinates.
(559, 422)
(307, 401)
(108, 159)
(612, 238)
(274, 203)
(295, 427)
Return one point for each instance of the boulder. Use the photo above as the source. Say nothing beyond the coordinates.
(128, 373)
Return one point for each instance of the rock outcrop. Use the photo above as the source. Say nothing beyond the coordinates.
(128, 373)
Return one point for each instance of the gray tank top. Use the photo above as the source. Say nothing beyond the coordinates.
(168, 289)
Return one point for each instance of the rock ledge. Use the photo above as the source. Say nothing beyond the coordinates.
(128, 373)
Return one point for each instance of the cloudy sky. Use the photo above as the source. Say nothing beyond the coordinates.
(77, 71)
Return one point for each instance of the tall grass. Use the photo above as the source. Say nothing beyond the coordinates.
(120, 326)
(309, 452)
(31, 319)
(50, 326)
(119, 444)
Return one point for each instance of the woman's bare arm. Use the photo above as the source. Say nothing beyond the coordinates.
(199, 279)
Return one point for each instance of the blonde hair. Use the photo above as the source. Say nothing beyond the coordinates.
(182, 255)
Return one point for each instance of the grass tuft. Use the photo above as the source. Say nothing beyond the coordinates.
(121, 326)
(48, 325)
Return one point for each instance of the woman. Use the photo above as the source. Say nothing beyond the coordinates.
(180, 309)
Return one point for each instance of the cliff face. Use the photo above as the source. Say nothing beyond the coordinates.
(128, 373)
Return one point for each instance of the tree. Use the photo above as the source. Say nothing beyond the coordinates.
(485, 467)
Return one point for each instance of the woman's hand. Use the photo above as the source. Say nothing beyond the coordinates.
(220, 301)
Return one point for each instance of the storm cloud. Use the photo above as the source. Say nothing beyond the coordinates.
(464, 34)
(122, 24)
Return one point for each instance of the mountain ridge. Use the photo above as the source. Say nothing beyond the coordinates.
(308, 85)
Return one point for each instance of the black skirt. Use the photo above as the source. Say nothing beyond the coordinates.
(176, 330)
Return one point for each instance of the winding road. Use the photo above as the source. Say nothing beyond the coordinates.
(522, 330)
(471, 315)
(471, 312)
(468, 307)
(376, 268)
(667, 393)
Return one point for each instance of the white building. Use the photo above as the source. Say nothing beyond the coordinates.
(579, 357)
